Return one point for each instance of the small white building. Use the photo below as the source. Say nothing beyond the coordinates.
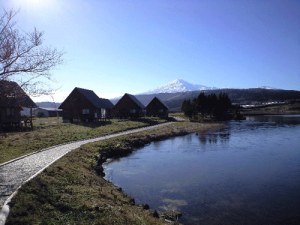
(47, 112)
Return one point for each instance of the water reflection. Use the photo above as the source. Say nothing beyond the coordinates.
(246, 173)
(213, 138)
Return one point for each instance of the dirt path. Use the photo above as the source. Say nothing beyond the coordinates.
(16, 172)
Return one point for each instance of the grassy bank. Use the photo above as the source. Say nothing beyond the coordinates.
(50, 132)
(71, 192)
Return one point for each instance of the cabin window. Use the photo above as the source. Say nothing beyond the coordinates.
(133, 111)
(10, 112)
(86, 111)
(161, 111)
(103, 112)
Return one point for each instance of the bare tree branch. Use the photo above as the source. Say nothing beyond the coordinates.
(23, 55)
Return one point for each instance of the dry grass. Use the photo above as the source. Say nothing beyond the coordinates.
(47, 121)
(50, 134)
(70, 192)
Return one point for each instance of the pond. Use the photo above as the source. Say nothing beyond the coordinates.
(245, 173)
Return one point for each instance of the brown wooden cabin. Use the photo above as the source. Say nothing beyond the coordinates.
(12, 100)
(84, 105)
(129, 107)
(157, 109)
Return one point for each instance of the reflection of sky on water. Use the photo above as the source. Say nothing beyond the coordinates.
(248, 172)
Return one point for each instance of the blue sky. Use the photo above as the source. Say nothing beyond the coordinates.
(132, 46)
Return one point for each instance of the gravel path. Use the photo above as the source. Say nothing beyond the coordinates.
(18, 171)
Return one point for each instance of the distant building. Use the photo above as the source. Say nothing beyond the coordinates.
(47, 112)
(12, 100)
(84, 105)
(129, 107)
(157, 108)
(25, 112)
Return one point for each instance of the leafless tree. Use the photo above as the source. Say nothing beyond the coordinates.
(23, 58)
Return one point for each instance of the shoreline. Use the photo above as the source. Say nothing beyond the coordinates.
(72, 190)
(136, 145)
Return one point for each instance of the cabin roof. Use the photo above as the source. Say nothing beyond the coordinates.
(157, 99)
(136, 100)
(12, 95)
(94, 99)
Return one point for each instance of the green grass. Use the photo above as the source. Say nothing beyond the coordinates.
(46, 121)
(71, 192)
(50, 134)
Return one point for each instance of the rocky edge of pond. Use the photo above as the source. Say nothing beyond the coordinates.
(168, 216)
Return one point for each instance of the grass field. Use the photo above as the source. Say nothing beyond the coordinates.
(51, 131)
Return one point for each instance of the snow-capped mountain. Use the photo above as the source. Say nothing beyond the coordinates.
(178, 85)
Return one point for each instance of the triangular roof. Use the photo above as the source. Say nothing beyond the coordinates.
(93, 98)
(157, 99)
(135, 100)
(12, 95)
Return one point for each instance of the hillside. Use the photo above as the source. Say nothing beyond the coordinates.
(239, 96)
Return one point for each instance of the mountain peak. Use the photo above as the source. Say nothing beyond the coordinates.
(178, 85)
(178, 81)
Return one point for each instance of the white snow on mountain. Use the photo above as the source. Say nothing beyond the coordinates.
(178, 85)
(267, 87)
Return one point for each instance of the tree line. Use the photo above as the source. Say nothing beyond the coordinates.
(211, 105)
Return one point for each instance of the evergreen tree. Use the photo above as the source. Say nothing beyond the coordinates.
(212, 103)
(187, 108)
(222, 107)
(216, 107)
(202, 104)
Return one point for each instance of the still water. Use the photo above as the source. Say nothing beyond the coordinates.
(245, 173)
